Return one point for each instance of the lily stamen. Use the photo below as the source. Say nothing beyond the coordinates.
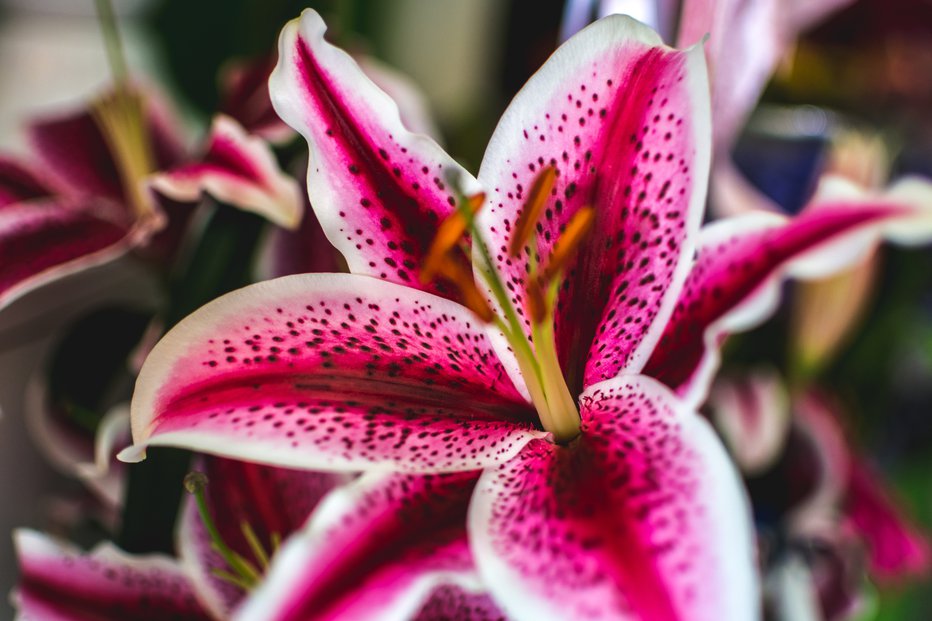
(569, 242)
(242, 572)
(121, 120)
(449, 235)
(537, 198)
(452, 270)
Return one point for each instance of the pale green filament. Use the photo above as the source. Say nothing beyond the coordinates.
(240, 571)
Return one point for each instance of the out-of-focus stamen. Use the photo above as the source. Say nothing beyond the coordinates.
(536, 302)
(244, 574)
(449, 235)
(568, 243)
(537, 198)
(121, 120)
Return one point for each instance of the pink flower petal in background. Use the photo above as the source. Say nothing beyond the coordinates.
(896, 548)
(332, 371)
(641, 518)
(387, 547)
(237, 169)
(46, 239)
(60, 583)
(244, 87)
(753, 416)
(625, 122)
(21, 182)
(379, 191)
(56, 139)
(734, 284)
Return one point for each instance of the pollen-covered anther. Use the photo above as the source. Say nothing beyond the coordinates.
(449, 235)
(452, 269)
(530, 214)
(536, 300)
(569, 242)
(195, 482)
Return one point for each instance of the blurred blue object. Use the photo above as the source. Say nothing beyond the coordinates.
(782, 152)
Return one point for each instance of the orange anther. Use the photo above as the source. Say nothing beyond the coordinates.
(449, 234)
(451, 269)
(568, 243)
(537, 198)
(536, 302)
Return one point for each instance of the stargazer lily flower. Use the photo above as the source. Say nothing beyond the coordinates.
(602, 494)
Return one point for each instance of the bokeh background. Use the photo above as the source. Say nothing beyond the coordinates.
(870, 65)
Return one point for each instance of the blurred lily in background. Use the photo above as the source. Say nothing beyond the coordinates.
(826, 522)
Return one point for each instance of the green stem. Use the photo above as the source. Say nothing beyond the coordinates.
(113, 43)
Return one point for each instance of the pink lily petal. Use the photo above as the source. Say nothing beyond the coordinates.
(19, 182)
(274, 502)
(896, 548)
(455, 603)
(238, 169)
(379, 191)
(332, 371)
(377, 549)
(245, 97)
(625, 121)
(47, 239)
(753, 415)
(734, 284)
(56, 139)
(60, 583)
(642, 518)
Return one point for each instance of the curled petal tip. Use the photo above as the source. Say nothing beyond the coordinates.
(132, 454)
